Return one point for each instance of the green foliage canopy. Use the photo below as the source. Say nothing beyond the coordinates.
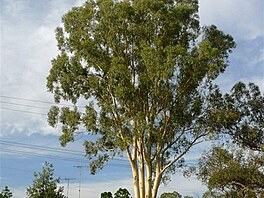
(174, 194)
(6, 193)
(139, 62)
(238, 173)
(120, 193)
(240, 114)
(106, 195)
(44, 185)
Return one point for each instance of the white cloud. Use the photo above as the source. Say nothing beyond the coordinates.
(18, 192)
(15, 123)
(15, 8)
(27, 47)
(244, 21)
(87, 190)
(239, 18)
(94, 189)
(185, 186)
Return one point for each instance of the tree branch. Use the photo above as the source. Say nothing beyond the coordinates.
(183, 153)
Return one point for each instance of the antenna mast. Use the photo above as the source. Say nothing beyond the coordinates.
(80, 181)
(68, 184)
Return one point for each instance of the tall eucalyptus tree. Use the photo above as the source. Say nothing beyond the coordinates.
(149, 70)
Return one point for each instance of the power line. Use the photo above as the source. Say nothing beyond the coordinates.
(26, 99)
(58, 104)
(39, 147)
(52, 149)
(28, 171)
(25, 170)
(24, 105)
(69, 152)
(31, 106)
(39, 101)
(9, 109)
(65, 158)
(23, 153)
(17, 169)
(56, 150)
(62, 177)
(55, 157)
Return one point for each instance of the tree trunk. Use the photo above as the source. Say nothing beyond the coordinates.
(156, 185)
(148, 180)
(141, 167)
(141, 170)
(135, 182)
(134, 168)
(157, 180)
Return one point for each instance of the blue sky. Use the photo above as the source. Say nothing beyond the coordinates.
(27, 47)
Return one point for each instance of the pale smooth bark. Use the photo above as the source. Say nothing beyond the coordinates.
(141, 169)
(136, 182)
(146, 184)
(132, 157)
(148, 180)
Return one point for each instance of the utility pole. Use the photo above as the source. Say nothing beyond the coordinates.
(80, 167)
(68, 184)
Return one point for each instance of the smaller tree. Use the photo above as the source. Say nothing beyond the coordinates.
(106, 195)
(171, 195)
(240, 114)
(233, 174)
(122, 193)
(174, 194)
(6, 193)
(44, 185)
(212, 194)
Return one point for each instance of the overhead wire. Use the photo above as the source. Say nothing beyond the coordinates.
(47, 148)
(32, 153)
(45, 102)
(55, 157)
(24, 105)
(53, 150)
(37, 113)
(62, 158)
(43, 155)
(73, 152)
(39, 101)
(17, 169)
(28, 171)
(29, 105)
(56, 150)
(26, 99)
(23, 111)
(94, 178)
(31, 112)
(56, 175)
